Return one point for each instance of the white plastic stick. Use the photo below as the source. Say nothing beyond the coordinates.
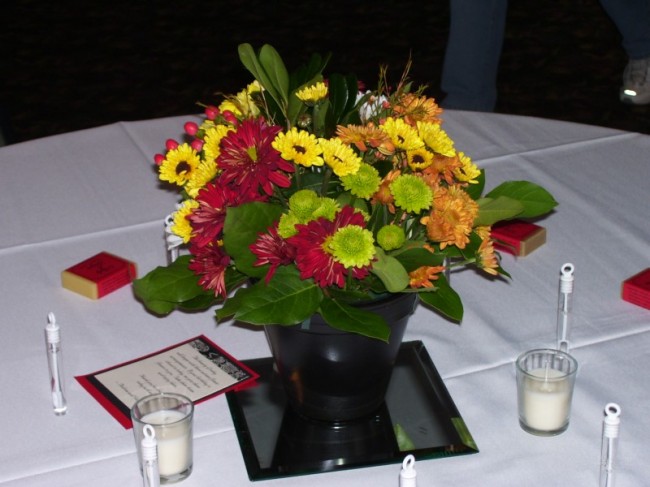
(609, 444)
(53, 344)
(564, 308)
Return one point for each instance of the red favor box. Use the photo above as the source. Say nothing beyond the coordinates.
(636, 289)
(518, 237)
(99, 275)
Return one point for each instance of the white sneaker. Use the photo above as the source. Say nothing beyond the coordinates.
(636, 82)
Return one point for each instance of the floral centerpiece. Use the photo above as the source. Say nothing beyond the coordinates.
(304, 194)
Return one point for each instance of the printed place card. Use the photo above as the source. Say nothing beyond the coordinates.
(197, 369)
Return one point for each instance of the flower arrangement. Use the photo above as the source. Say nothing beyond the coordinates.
(304, 194)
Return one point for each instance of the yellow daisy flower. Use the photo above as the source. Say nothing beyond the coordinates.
(419, 159)
(402, 135)
(242, 103)
(299, 147)
(312, 93)
(181, 225)
(179, 165)
(212, 141)
(436, 139)
(468, 172)
(204, 173)
(340, 157)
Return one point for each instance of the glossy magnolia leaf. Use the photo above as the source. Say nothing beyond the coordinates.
(535, 200)
(275, 70)
(250, 61)
(242, 226)
(415, 257)
(285, 300)
(444, 299)
(390, 271)
(354, 320)
(175, 283)
(492, 210)
(199, 303)
(161, 308)
(338, 95)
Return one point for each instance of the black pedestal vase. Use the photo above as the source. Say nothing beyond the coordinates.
(331, 375)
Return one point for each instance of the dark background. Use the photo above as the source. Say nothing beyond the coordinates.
(72, 65)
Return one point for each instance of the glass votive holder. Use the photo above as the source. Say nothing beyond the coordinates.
(171, 416)
(545, 380)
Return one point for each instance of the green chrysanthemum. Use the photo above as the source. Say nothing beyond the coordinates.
(287, 225)
(411, 193)
(326, 209)
(303, 203)
(352, 246)
(391, 237)
(364, 183)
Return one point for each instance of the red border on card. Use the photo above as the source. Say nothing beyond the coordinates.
(117, 409)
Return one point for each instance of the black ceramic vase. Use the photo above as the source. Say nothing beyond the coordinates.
(331, 375)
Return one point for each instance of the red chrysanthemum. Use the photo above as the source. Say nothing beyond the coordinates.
(270, 248)
(210, 264)
(249, 162)
(313, 258)
(207, 220)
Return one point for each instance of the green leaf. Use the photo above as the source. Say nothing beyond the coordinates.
(285, 300)
(161, 308)
(354, 320)
(338, 95)
(390, 271)
(242, 226)
(250, 61)
(535, 200)
(492, 210)
(275, 70)
(353, 89)
(444, 299)
(175, 283)
(415, 257)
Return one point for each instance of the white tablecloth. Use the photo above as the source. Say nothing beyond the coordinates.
(65, 198)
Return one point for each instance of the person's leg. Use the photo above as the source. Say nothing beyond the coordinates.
(472, 55)
(632, 18)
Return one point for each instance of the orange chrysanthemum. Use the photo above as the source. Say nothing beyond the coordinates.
(486, 258)
(363, 136)
(415, 109)
(422, 276)
(384, 196)
(451, 219)
(442, 169)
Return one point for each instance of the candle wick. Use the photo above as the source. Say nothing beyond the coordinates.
(546, 371)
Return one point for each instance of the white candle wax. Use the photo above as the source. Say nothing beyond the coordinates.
(546, 399)
(174, 441)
